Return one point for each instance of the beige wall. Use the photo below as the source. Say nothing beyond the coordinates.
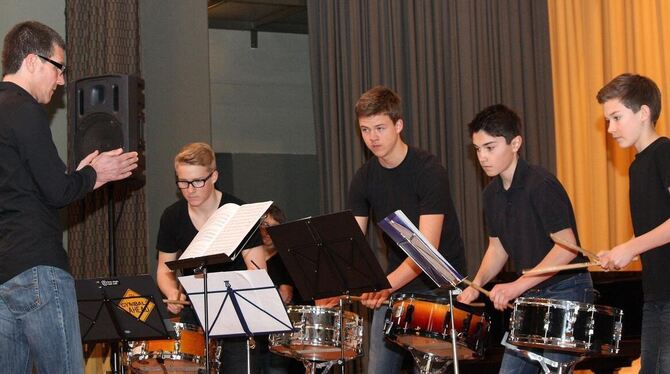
(175, 67)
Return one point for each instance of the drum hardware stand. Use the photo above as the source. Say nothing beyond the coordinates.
(548, 365)
(429, 363)
(311, 366)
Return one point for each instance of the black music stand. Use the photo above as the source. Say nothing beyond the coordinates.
(120, 309)
(328, 256)
(248, 295)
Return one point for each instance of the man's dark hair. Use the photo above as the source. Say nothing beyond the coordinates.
(633, 90)
(26, 38)
(379, 100)
(276, 213)
(497, 120)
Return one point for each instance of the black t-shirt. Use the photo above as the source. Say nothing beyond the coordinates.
(34, 185)
(650, 206)
(277, 271)
(176, 232)
(418, 186)
(522, 217)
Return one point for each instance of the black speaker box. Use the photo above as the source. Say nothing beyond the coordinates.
(108, 114)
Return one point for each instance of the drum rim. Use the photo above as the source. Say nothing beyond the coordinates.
(432, 298)
(321, 310)
(587, 307)
(473, 353)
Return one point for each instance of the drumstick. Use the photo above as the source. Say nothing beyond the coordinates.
(574, 247)
(482, 290)
(358, 298)
(181, 302)
(386, 302)
(589, 254)
(476, 287)
(551, 269)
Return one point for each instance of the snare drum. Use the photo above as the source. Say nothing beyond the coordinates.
(565, 325)
(423, 323)
(317, 335)
(186, 353)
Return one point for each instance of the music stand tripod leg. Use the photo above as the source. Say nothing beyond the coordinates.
(342, 337)
(202, 269)
(454, 346)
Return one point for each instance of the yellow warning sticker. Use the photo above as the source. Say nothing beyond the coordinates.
(138, 307)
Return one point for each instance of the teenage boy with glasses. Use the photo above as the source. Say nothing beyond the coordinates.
(195, 170)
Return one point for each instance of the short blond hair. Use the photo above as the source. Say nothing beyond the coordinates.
(199, 154)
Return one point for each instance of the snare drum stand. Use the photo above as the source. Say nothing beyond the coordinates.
(311, 366)
(548, 365)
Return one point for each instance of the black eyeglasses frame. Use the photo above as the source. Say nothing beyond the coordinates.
(58, 65)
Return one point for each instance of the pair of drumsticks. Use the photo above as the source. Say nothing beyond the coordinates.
(592, 256)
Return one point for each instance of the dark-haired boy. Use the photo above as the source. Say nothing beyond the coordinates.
(632, 105)
(523, 205)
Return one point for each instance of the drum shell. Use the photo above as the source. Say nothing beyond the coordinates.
(189, 345)
(423, 323)
(317, 334)
(565, 325)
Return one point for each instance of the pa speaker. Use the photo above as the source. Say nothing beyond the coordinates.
(108, 114)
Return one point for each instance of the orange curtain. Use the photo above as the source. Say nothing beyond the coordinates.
(592, 42)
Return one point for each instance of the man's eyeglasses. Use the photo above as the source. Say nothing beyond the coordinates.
(58, 65)
(196, 183)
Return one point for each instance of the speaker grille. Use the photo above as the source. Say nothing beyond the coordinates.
(101, 131)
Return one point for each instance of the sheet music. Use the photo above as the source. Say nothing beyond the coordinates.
(414, 243)
(259, 300)
(225, 229)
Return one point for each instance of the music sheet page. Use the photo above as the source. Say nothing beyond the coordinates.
(225, 229)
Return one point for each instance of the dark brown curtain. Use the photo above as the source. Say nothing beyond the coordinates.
(103, 38)
(447, 60)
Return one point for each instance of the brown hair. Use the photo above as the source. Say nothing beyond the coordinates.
(26, 38)
(633, 90)
(379, 100)
(199, 154)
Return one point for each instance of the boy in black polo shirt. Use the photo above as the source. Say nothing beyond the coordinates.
(523, 205)
(632, 105)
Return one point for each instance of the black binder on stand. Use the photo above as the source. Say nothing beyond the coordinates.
(115, 309)
(328, 256)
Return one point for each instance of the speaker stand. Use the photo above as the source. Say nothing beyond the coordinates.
(116, 348)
